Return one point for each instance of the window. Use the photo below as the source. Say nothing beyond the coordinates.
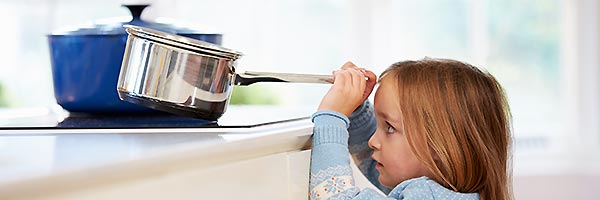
(518, 42)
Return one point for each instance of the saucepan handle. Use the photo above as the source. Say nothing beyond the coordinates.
(248, 78)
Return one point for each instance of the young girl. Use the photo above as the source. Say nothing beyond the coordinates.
(440, 129)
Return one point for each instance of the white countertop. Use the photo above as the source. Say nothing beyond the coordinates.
(46, 160)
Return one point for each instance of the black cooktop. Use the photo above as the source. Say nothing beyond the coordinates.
(235, 117)
(152, 120)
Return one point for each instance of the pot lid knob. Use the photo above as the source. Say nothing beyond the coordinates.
(136, 11)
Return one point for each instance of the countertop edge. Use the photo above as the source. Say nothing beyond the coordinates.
(283, 139)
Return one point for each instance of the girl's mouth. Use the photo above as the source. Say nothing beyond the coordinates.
(379, 165)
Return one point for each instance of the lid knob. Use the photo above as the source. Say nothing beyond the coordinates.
(136, 10)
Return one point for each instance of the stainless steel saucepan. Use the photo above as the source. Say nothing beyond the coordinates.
(185, 76)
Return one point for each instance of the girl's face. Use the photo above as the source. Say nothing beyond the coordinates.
(395, 161)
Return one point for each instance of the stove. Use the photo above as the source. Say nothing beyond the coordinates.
(132, 121)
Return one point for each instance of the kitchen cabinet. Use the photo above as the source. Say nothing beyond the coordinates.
(278, 176)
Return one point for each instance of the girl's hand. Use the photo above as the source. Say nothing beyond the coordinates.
(371, 79)
(351, 87)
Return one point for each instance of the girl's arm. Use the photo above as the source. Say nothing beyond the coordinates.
(330, 172)
(362, 127)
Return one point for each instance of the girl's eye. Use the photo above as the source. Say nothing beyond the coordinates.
(390, 128)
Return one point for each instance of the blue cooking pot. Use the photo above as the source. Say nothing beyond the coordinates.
(86, 62)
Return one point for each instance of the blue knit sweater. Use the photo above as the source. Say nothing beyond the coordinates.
(336, 135)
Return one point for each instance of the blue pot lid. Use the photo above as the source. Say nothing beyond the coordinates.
(114, 26)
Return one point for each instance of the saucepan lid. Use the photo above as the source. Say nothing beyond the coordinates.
(182, 42)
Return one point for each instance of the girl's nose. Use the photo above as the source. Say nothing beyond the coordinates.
(374, 143)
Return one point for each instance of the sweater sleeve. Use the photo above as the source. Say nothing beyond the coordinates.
(330, 172)
(362, 127)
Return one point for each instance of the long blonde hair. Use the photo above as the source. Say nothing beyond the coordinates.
(458, 124)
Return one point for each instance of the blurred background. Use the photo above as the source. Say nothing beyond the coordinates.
(544, 52)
